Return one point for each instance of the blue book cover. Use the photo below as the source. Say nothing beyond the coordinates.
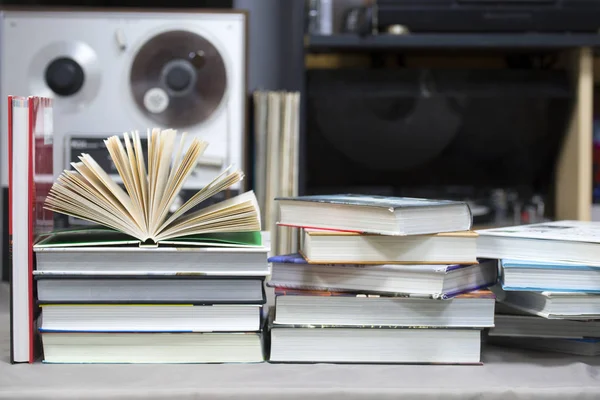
(508, 265)
(297, 258)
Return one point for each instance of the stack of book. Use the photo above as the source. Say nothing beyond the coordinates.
(151, 284)
(121, 303)
(549, 287)
(380, 280)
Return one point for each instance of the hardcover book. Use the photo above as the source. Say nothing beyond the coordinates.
(333, 309)
(537, 276)
(570, 231)
(103, 236)
(431, 281)
(30, 144)
(366, 345)
(283, 291)
(375, 214)
(335, 247)
(576, 242)
(551, 305)
(372, 201)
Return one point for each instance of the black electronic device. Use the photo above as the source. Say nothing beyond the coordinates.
(435, 133)
(489, 16)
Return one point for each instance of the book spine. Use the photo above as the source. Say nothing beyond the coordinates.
(10, 224)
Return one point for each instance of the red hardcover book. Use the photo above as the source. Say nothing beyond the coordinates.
(30, 172)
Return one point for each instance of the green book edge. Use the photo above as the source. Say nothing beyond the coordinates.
(102, 236)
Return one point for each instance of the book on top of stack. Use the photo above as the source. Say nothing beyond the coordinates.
(380, 280)
(148, 284)
(549, 287)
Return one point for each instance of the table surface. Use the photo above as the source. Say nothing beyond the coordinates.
(507, 374)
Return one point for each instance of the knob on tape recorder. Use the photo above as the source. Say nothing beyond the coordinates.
(115, 71)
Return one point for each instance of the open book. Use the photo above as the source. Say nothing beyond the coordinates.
(142, 209)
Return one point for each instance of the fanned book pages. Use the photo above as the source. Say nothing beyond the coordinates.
(141, 210)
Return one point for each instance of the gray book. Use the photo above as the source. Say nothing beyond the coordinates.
(196, 290)
(114, 258)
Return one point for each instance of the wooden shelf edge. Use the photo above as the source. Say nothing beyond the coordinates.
(573, 191)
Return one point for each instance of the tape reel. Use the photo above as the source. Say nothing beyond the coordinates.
(67, 70)
(178, 79)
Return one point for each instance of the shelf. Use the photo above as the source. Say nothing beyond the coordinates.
(341, 42)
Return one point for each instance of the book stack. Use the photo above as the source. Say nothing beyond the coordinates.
(549, 287)
(107, 301)
(380, 280)
(150, 284)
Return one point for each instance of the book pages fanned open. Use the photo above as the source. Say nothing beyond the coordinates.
(142, 208)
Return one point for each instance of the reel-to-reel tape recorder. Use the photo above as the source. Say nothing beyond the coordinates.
(116, 71)
(112, 71)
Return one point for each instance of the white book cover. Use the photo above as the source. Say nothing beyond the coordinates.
(572, 231)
